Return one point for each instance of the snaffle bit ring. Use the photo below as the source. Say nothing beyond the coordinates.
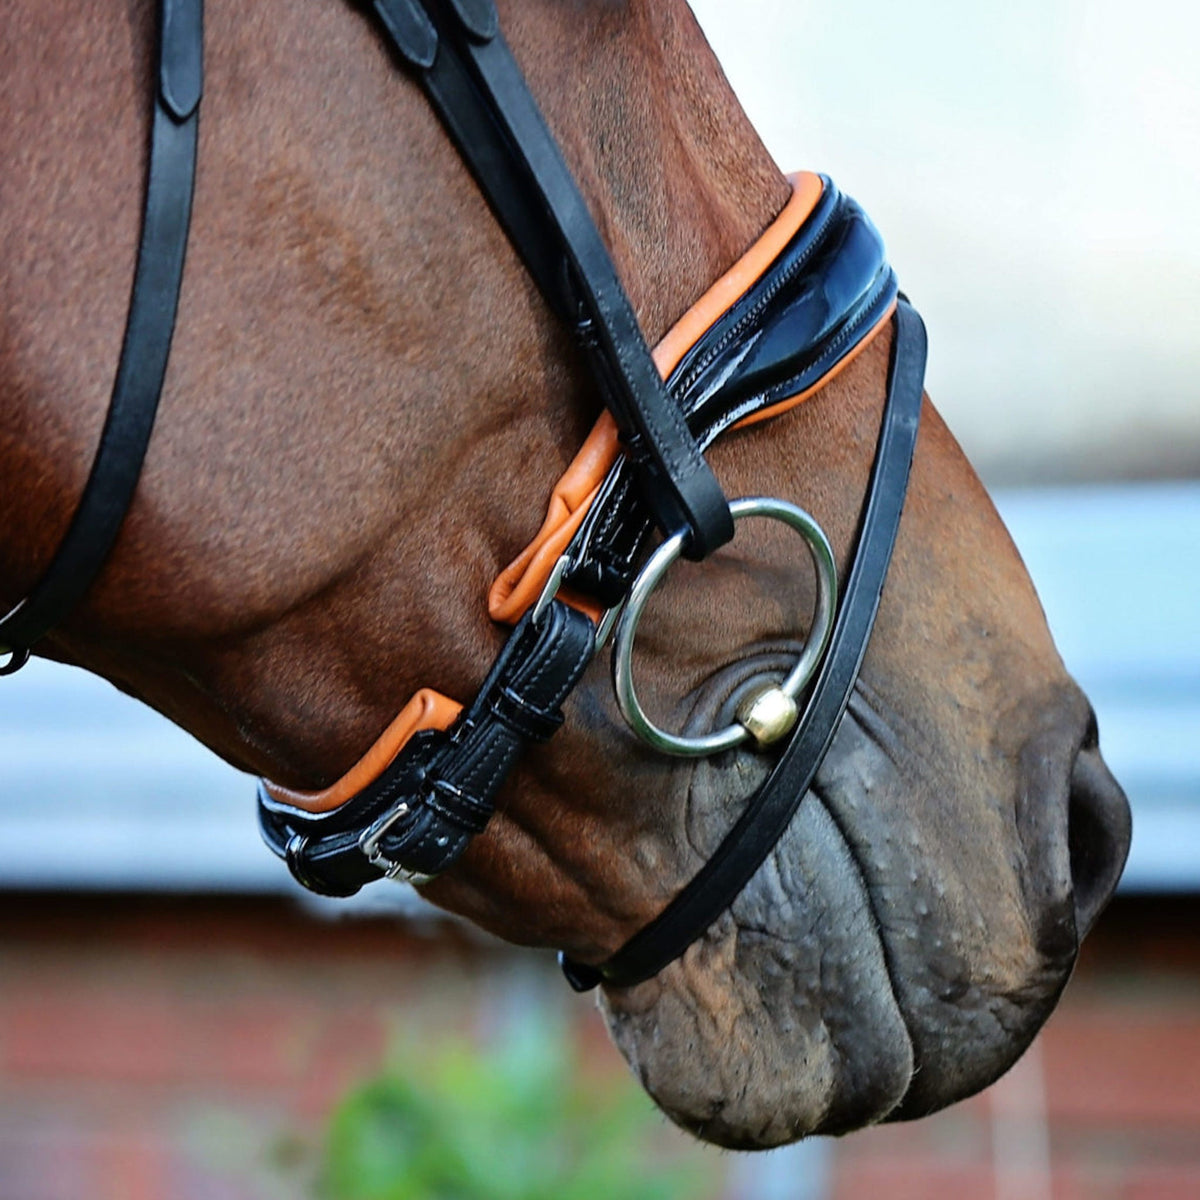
(771, 712)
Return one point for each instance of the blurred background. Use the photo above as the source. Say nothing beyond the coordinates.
(178, 1021)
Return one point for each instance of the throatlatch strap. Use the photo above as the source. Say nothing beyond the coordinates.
(772, 807)
(115, 471)
(478, 91)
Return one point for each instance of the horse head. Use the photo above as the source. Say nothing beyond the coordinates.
(366, 406)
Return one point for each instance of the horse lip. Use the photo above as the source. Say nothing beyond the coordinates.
(1063, 899)
(712, 703)
(861, 1063)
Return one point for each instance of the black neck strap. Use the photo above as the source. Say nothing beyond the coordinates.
(772, 807)
(478, 91)
(149, 326)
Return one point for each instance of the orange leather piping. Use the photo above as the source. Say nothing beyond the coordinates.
(520, 584)
(426, 710)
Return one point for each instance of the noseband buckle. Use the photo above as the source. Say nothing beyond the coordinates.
(369, 845)
(558, 572)
(770, 713)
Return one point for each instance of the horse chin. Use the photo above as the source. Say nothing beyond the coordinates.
(885, 961)
(782, 1020)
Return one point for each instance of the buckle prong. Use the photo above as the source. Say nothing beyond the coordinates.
(608, 618)
(553, 583)
(369, 841)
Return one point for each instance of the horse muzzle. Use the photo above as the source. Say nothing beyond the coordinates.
(903, 943)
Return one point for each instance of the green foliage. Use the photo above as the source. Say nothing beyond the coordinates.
(514, 1123)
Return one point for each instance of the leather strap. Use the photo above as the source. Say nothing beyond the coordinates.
(115, 471)
(441, 789)
(772, 807)
(478, 91)
(828, 288)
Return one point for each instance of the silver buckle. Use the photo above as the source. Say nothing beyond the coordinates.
(369, 841)
(608, 620)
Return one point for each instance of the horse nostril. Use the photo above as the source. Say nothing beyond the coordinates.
(1098, 832)
(1091, 735)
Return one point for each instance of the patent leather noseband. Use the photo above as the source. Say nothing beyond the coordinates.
(825, 291)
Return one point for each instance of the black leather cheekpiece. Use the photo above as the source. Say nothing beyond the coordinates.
(475, 86)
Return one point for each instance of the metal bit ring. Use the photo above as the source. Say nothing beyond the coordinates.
(797, 679)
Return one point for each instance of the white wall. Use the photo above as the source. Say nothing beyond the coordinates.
(1035, 169)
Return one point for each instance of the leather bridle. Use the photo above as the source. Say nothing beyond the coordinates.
(416, 817)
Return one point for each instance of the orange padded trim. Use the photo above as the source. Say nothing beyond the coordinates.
(742, 276)
(520, 583)
(426, 710)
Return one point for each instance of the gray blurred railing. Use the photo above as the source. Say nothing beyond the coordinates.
(97, 792)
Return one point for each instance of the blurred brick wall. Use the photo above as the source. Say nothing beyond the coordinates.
(157, 1049)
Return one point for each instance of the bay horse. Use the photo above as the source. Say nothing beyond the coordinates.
(366, 405)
